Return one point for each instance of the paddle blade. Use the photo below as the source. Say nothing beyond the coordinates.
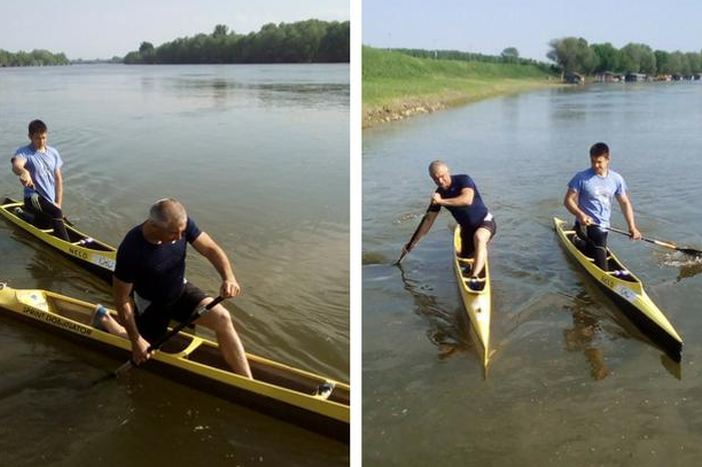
(690, 251)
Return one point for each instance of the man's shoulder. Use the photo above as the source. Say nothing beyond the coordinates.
(132, 237)
(25, 150)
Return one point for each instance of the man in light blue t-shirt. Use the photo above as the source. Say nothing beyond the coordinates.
(589, 199)
(38, 167)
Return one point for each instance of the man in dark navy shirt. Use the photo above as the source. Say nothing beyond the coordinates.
(460, 195)
(150, 289)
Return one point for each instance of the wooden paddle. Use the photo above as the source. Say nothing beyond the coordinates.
(415, 236)
(687, 251)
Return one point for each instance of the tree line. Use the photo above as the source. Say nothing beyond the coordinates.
(509, 55)
(310, 41)
(574, 54)
(33, 58)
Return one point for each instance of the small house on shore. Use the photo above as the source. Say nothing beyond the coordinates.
(635, 77)
(572, 77)
(608, 77)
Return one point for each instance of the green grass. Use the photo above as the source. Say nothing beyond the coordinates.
(393, 81)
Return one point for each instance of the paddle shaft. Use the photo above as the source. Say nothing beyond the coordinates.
(658, 242)
(157, 345)
(413, 239)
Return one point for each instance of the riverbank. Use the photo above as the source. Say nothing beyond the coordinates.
(397, 86)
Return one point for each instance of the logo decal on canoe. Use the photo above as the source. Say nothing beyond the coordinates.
(56, 320)
(626, 292)
(104, 262)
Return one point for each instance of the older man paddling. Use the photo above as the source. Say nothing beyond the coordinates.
(460, 195)
(150, 289)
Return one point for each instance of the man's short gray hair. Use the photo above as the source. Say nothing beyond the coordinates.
(166, 211)
(434, 166)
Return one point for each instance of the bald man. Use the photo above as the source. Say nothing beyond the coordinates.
(149, 284)
(460, 195)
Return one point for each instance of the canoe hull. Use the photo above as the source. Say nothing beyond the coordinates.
(476, 303)
(187, 362)
(99, 258)
(628, 294)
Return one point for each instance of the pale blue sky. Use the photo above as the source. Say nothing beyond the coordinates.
(105, 28)
(490, 26)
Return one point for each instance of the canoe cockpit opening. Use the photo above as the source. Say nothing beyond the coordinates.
(274, 375)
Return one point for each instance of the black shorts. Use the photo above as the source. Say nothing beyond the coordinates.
(467, 233)
(153, 322)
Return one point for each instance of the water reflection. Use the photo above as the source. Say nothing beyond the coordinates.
(443, 333)
(583, 334)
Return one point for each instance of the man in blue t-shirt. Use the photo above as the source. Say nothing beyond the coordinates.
(38, 167)
(589, 199)
(150, 289)
(460, 195)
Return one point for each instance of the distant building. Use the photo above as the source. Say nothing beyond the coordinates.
(635, 77)
(572, 77)
(608, 77)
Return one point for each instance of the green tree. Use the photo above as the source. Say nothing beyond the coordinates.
(510, 54)
(573, 54)
(607, 57)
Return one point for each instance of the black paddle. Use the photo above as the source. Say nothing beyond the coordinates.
(159, 343)
(414, 239)
(687, 251)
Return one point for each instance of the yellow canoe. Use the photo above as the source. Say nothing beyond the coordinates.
(476, 302)
(628, 293)
(301, 397)
(94, 255)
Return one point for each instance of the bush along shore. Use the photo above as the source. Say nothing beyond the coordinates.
(397, 85)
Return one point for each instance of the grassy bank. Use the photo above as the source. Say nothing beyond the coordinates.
(397, 86)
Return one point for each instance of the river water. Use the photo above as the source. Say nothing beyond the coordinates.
(569, 383)
(259, 156)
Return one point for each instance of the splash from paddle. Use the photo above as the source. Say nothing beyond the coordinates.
(687, 251)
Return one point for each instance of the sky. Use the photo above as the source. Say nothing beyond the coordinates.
(91, 29)
(490, 26)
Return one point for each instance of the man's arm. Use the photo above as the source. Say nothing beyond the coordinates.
(628, 211)
(464, 199)
(571, 204)
(59, 188)
(19, 170)
(125, 309)
(206, 246)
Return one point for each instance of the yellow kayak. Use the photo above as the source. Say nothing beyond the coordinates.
(627, 291)
(476, 300)
(301, 397)
(94, 255)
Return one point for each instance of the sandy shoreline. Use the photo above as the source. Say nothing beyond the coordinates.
(402, 108)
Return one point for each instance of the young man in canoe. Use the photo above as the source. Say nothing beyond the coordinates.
(38, 167)
(149, 284)
(460, 195)
(589, 199)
